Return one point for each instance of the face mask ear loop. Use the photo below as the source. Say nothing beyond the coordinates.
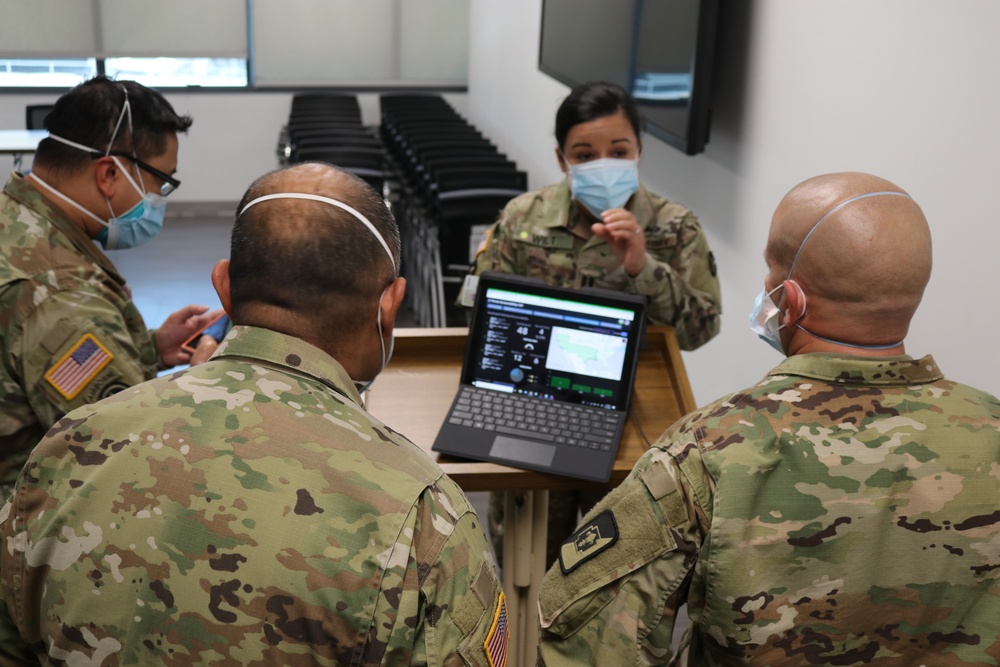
(114, 134)
(381, 342)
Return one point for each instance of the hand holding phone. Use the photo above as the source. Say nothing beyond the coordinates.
(217, 329)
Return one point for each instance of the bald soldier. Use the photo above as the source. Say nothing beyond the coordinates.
(842, 511)
(249, 510)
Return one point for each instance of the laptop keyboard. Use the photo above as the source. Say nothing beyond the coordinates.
(540, 419)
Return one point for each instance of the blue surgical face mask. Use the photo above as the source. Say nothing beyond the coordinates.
(141, 223)
(600, 185)
(765, 318)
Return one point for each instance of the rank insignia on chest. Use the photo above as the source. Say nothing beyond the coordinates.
(595, 536)
(79, 366)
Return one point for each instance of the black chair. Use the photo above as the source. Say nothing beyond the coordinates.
(35, 115)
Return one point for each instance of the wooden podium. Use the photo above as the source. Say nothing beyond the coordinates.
(413, 394)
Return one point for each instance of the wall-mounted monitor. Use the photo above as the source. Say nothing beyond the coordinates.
(659, 50)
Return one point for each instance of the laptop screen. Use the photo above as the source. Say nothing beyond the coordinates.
(576, 346)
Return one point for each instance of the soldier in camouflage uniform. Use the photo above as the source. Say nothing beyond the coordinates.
(609, 232)
(842, 511)
(69, 331)
(249, 510)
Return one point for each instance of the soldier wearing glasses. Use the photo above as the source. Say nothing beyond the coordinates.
(69, 331)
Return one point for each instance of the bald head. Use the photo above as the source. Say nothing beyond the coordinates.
(864, 267)
(310, 262)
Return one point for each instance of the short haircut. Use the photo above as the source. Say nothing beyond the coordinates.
(312, 258)
(593, 100)
(87, 115)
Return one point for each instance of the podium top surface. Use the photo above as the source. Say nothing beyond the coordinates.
(413, 395)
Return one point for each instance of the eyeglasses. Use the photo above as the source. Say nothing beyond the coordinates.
(169, 182)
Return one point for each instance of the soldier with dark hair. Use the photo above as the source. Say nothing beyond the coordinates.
(601, 227)
(69, 331)
(249, 510)
(842, 511)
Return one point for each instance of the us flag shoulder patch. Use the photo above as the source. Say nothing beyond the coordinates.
(79, 366)
(499, 635)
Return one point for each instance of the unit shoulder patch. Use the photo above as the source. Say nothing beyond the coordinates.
(595, 536)
(79, 366)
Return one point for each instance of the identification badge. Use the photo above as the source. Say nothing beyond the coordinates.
(467, 296)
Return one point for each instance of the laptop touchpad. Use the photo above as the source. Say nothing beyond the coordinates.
(524, 451)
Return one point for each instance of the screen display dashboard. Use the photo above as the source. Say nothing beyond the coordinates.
(554, 348)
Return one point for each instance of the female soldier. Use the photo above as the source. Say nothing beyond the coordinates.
(600, 227)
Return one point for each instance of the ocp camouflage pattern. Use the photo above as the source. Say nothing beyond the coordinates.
(246, 511)
(55, 287)
(533, 237)
(843, 511)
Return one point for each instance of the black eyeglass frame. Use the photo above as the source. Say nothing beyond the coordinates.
(170, 183)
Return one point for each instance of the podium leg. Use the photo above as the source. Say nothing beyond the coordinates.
(525, 530)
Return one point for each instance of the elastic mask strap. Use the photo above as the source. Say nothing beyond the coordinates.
(333, 202)
(33, 176)
(126, 109)
(887, 346)
(834, 210)
(86, 149)
(381, 340)
(882, 193)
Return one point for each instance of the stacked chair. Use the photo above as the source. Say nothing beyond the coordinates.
(327, 127)
(449, 182)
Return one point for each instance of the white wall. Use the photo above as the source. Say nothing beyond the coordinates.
(906, 89)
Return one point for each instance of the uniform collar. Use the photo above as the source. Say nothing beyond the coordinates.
(291, 354)
(18, 189)
(898, 370)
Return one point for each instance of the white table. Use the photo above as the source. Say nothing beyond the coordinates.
(18, 142)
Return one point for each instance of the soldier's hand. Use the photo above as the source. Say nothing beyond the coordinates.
(206, 348)
(624, 234)
(177, 328)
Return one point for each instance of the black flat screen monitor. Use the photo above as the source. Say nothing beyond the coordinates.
(659, 50)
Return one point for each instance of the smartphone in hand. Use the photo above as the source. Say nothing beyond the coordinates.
(217, 329)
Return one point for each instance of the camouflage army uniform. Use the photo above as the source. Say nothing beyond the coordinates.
(843, 511)
(245, 511)
(535, 237)
(61, 302)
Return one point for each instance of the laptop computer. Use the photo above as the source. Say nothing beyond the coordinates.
(547, 377)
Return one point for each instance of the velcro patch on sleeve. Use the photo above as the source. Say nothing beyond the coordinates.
(486, 240)
(592, 538)
(79, 366)
(499, 635)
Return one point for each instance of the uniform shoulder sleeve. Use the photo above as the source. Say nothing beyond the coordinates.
(613, 595)
(465, 616)
(74, 348)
